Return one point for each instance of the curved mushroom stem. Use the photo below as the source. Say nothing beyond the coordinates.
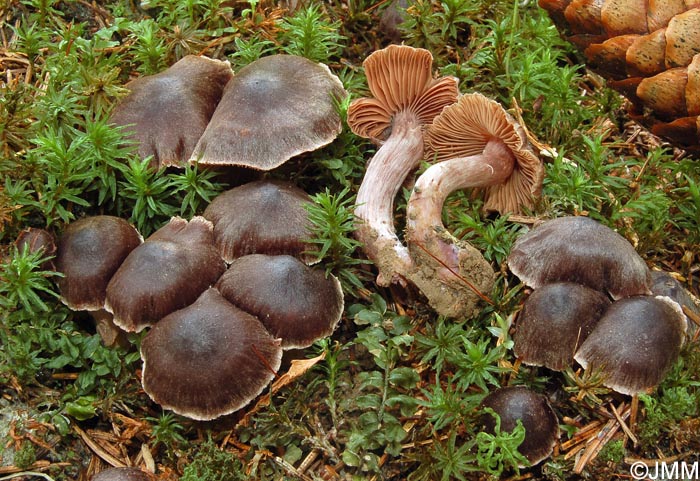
(424, 211)
(395, 159)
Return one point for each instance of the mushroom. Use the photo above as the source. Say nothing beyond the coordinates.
(580, 250)
(518, 403)
(34, 240)
(274, 108)
(293, 301)
(564, 314)
(165, 273)
(262, 217)
(635, 343)
(208, 359)
(476, 144)
(165, 114)
(406, 97)
(89, 252)
(123, 474)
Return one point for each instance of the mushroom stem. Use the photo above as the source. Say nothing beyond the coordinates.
(424, 211)
(396, 158)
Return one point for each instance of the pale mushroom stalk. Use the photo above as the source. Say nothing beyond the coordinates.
(424, 211)
(406, 97)
(400, 154)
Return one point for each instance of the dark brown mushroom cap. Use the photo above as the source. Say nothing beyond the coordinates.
(34, 240)
(209, 359)
(262, 217)
(89, 252)
(273, 109)
(515, 403)
(400, 79)
(295, 302)
(635, 343)
(167, 272)
(666, 285)
(580, 250)
(464, 128)
(167, 113)
(123, 474)
(554, 322)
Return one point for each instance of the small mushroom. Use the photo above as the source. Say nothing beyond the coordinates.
(273, 109)
(406, 97)
(123, 474)
(165, 114)
(262, 217)
(518, 403)
(167, 272)
(208, 359)
(580, 250)
(296, 303)
(89, 252)
(34, 240)
(635, 343)
(554, 322)
(664, 284)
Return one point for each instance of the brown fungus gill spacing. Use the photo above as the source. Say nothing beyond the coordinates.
(261, 217)
(208, 359)
(405, 98)
(275, 108)
(167, 272)
(165, 114)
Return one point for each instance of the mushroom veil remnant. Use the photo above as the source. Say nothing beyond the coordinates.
(475, 144)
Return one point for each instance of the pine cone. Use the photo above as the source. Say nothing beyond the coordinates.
(649, 51)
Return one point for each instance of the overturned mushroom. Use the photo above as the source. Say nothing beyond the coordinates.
(295, 302)
(262, 217)
(208, 359)
(476, 145)
(273, 109)
(406, 97)
(165, 114)
(165, 273)
(635, 343)
(580, 250)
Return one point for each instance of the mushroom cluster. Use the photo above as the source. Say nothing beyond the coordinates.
(649, 51)
(198, 111)
(414, 117)
(593, 302)
(217, 328)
